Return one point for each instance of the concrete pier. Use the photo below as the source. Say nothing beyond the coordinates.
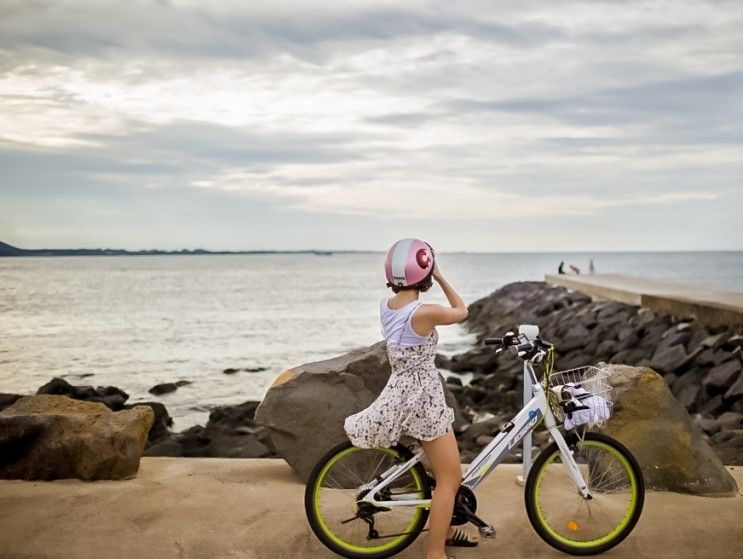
(708, 304)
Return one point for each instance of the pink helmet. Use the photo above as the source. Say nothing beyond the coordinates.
(408, 262)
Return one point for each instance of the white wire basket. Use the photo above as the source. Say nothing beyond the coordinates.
(585, 388)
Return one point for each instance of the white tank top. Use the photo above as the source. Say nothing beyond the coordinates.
(396, 324)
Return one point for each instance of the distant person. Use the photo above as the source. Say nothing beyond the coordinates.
(412, 403)
(591, 267)
(575, 269)
(561, 268)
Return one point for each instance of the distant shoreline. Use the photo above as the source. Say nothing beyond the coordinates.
(7, 250)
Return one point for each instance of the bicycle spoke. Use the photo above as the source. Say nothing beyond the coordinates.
(376, 468)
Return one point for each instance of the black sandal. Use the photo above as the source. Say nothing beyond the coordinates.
(460, 539)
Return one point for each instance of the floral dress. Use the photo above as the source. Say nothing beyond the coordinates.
(411, 403)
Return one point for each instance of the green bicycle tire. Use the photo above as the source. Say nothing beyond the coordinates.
(345, 549)
(623, 528)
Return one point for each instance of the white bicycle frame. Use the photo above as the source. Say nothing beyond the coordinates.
(490, 456)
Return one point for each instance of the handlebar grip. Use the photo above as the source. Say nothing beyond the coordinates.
(493, 341)
(526, 346)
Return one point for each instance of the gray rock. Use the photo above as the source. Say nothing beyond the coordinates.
(305, 407)
(605, 348)
(706, 424)
(576, 337)
(673, 336)
(688, 395)
(667, 359)
(576, 359)
(705, 358)
(168, 447)
(729, 421)
(231, 432)
(628, 357)
(481, 360)
(658, 431)
(729, 446)
(630, 342)
(723, 376)
(713, 357)
(686, 380)
(712, 406)
(734, 342)
(627, 332)
(736, 390)
(714, 341)
(164, 388)
(162, 421)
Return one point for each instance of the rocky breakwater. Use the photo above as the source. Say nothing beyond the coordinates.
(701, 364)
(49, 437)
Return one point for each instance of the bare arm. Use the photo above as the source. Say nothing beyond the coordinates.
(428, 316)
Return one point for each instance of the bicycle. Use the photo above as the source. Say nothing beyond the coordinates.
(583, 495)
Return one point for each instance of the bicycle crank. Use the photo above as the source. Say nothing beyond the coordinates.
(465, 505)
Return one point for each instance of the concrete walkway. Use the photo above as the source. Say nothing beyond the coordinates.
(217, 508)
(707, 303)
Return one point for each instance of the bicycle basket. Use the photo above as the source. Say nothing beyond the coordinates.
(580, 396)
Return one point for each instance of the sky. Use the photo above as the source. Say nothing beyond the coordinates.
(530, 125)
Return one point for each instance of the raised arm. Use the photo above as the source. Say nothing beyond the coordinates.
(428, 316)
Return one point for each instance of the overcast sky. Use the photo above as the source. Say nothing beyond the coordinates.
(482, 126)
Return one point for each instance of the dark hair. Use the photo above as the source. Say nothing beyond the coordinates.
(423, 285)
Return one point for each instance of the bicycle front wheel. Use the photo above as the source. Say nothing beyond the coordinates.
(567, 521)
(361, 531)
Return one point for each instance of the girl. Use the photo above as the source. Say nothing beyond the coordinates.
(412, 402)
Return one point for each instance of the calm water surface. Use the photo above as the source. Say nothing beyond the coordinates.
(137, 321)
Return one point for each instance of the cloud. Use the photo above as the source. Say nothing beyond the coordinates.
(453, 110)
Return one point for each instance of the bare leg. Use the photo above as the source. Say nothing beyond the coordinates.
(443, 454)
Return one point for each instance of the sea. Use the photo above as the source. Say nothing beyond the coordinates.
(137, 321)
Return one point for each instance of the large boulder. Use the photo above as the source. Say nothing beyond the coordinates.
(53, 437)
(670, 449)
(305, 407)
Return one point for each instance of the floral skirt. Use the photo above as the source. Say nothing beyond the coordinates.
(411, 403)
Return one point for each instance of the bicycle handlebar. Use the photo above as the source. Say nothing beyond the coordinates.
(524, 348)
(506, 341)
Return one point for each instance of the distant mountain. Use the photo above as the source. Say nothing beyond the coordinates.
(10, 250)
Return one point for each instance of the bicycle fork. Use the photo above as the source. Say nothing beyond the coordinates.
(566, 454)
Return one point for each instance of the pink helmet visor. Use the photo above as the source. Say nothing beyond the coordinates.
(408, 262)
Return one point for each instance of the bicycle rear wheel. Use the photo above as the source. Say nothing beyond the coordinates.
(364, 532)
(567, 521)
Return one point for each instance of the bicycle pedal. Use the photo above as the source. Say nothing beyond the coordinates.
(487, 531)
